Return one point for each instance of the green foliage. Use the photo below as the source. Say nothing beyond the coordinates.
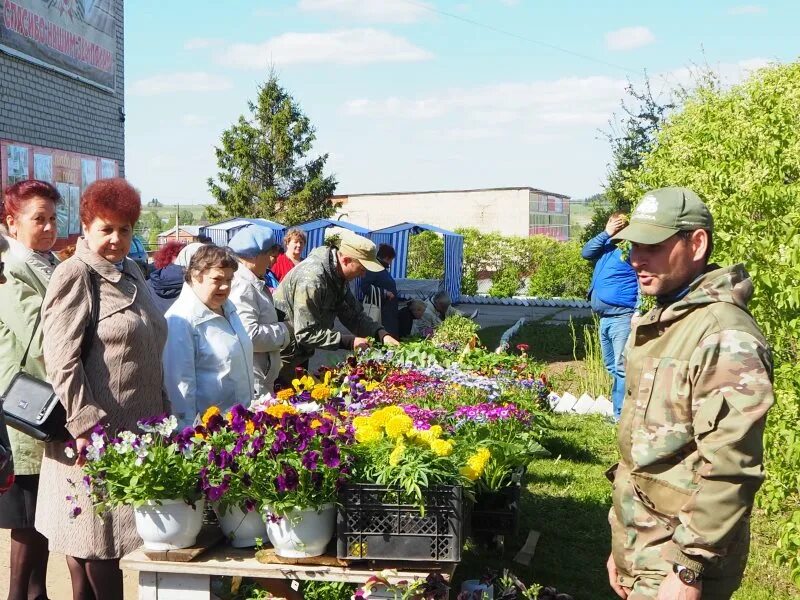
(455, 332)
(426, 256)
(562, 272)
(506, 282)
(739, 149)
(263, 171)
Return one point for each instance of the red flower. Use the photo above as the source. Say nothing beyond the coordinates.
(523, 348)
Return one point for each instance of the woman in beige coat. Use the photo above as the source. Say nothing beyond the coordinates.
(119, 383)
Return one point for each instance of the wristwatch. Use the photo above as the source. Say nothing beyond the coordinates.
(685, 574)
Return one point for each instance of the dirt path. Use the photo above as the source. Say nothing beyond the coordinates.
(58, 582)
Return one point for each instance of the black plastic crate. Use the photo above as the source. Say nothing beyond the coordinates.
(497, 513)
(374, 523)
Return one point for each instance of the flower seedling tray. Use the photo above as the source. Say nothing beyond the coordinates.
(497, 513)
(374, 523)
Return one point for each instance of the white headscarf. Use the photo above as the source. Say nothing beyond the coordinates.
(186, 254)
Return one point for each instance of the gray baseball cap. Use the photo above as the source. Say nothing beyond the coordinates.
(664, 212)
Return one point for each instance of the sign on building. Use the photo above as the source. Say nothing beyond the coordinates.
(70, 172)
(75, 37)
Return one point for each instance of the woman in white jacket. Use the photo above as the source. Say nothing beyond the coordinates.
(208, 359)
(257, 251)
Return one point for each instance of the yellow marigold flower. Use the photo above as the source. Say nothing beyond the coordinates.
(249, 428)
(367, 435)
(286, 394)
(371, 386)
(321, 392)
(477, 462)
(397, 455)
(362, 421)
(316, 424)
(278, 410)
(399, 425)
(381, 416)
(210, 412)
(469, 473)
(435, 431)
(442, 447)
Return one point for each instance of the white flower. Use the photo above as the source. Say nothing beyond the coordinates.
(308, 407)
(69, 452)
(97, 441)
(167, 426)
(92, 453)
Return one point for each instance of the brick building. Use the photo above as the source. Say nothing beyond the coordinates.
(62, 106)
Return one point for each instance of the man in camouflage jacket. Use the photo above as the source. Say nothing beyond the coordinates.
(697, 394)
(317, 291)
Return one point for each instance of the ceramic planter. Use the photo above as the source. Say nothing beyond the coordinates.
(240, 527)
(302, 532)
(169, 524)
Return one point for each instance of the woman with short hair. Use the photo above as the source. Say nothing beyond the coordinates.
(6, 458)
(208, 360)
(294, 242)
(116, 382)
(257, 251)
(29, 213)
(166, 282)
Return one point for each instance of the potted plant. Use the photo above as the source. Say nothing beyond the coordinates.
(229, 445)
(156, 472)
(297, 462)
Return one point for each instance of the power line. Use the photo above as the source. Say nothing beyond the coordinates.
(520, 37)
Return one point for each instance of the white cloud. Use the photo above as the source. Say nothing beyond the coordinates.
(629, 38)
(747, 9)
(170, 83)
(201, 43)
(533, 110)
(373, 11)
(345, 47)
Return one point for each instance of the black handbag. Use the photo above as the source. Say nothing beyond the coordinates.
(30, 404)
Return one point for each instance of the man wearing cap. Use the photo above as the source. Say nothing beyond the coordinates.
(317, 291)
(698, 388)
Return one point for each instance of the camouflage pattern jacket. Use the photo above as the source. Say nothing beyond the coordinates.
(698, 388)
(312, 295)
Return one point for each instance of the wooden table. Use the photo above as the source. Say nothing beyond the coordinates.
(169, 580)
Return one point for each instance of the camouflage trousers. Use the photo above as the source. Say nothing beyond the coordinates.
(642, 539)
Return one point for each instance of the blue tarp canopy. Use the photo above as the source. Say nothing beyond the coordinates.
(398, 235)
(222, 232)
(315, 231)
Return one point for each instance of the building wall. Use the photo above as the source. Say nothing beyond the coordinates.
(41, 107)
(520, 211)
(505, 211)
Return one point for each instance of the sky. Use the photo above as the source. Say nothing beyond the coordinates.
(412, 95)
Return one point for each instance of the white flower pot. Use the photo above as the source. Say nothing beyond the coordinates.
(169, 526)
(240, 527)
(302, 533)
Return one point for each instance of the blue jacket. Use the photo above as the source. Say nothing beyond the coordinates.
(614, 288)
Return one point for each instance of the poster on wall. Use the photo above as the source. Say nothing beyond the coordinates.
(70, 172)
(88, 172)
(43, 167)
(75, 37)
(108, 168)
(74, 210)
(62, 210)
(17, 164)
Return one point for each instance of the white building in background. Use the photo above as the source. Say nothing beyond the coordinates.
(521, 211)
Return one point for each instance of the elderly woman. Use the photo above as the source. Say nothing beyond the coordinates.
(115, 382)
(256, 250)
(30, 217)
(208, 360)
(166, 282)
(294, 242)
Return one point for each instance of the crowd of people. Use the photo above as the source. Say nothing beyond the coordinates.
(116, 347)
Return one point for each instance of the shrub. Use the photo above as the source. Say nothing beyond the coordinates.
(563, 272)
